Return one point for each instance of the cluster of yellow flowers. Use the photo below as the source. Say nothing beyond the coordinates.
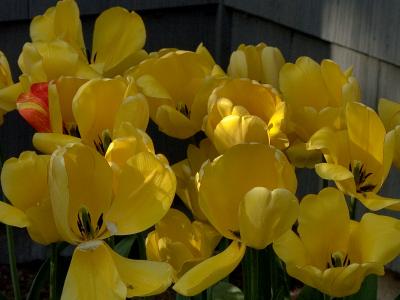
(98, 175)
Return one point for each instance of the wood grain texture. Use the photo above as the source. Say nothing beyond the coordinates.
(11, 10)
(247, 29)
(389, 78)
(363, 25)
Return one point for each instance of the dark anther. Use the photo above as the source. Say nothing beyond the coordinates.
(235, 233)
(99, 223)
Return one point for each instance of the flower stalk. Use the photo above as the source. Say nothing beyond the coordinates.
(53, 271)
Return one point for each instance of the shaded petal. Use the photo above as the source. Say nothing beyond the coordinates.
(376, 239)
(324, 218)
(333, 172)
(229, 177)
(134, 110)
(210, 271)
(95, 107)
(144, 194)
(93, 274)
(375, 202)
(49, 142)
(117, 34)
(79, 177)
(290, 249)
(389, 112)
(265, 215)
(12, 216)
(174, 123)
(300, 157)
(143, 277)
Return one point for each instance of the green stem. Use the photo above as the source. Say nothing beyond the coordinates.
(13, 262)
(53, 271)
(256, 268)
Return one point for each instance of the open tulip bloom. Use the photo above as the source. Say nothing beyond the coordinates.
(97, 176)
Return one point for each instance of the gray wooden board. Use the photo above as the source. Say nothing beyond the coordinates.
(363, 25)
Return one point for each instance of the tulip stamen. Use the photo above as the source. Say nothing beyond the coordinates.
(235, 233)
(183, 108)
(84, 224)
(103, 142)
(72, 131)
(337, 260)
(360, 177)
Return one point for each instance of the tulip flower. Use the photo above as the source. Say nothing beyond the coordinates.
(359, 157)
(181, 243)
(118, 37)
(177, 86)
(260, 62)
(88, 207)
(315, 96)
(185, 172)
(8, 90)
(30, 206)
(244, 111)
(389, 114)
(247, 194)
(333, 253)
(94, 112)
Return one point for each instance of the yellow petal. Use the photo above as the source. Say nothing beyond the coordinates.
(174, 123)
(95, 107)
(389, 112)
(260, 165)
(333, 172)
(79, 177)
(366, 134)
(210, 271)
(272, 62)
(290, 249)
(376, 239)
(59, 22)
(238, 65)
(9, 95)
(49, 142)
(117, 34)
(233, 130)
(30, 172)
(12, 216)
(324, 218)
(93, 274)
(375, 202)
(265, 215)
(134, 110)
(144, 194)
(143, 277)
(5, 73)
(302, 84)
(300, 157)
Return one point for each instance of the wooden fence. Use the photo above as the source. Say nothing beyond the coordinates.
(359, 33)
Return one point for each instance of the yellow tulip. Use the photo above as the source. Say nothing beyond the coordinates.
(185, 172)
(45, 61)
(89, 206)
(24, 183)
(8, 90)
(359, 157)
(315, 96)
(181, 243)
(118, 37)
(389, 112)
(244, 111)
(177, 86)
(100, 111)
(333, 253)
(247, 194)
(260, 62)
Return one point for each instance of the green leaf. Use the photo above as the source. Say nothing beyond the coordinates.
(2, 297)
(124, 246)
(309, 293)
(368, 290)
(41, 278)
(225, 291)
(397, 298)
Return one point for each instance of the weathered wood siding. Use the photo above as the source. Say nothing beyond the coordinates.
(359, 33)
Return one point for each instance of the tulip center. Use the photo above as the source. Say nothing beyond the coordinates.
(71, 130)
(360, 177)
(338, 259)
(183, 109)
(103, 142)
(85, 226)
